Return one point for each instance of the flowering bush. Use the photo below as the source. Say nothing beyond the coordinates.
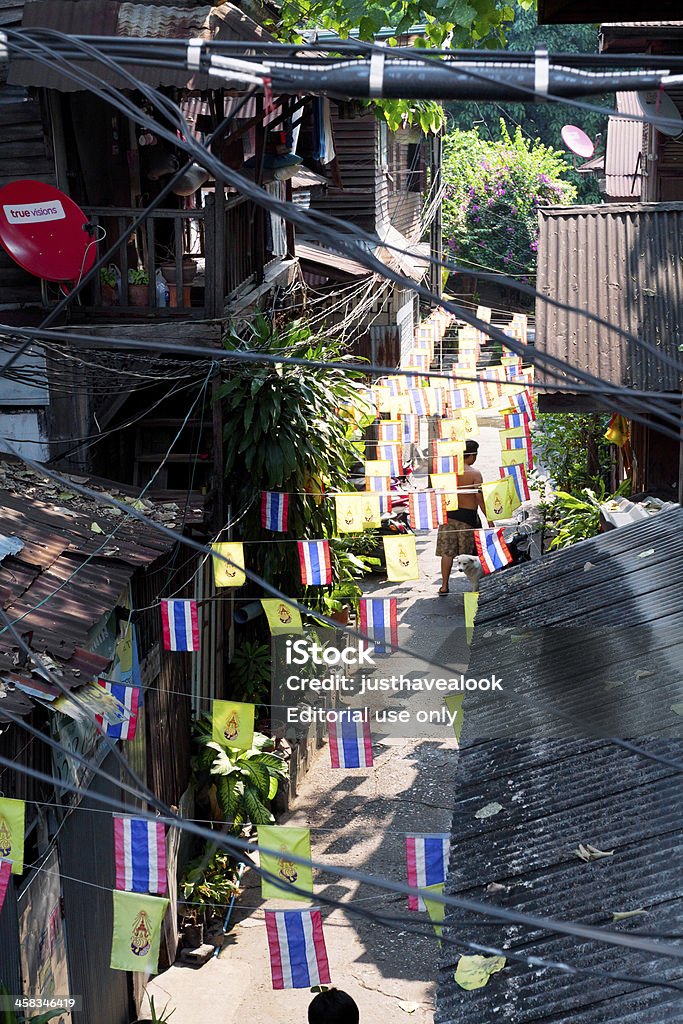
(493, 192)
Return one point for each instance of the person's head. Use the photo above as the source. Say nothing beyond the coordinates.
(471, 451)
(332, 1007)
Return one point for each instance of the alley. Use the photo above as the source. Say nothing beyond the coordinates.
(358, 819)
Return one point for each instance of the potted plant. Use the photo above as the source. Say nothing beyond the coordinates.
(109, 285)
(209, 883)
(156, 1018)
(138, 287)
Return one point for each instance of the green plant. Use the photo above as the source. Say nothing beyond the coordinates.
(245, 781)
(576, 518)
(210, 881)
(108, 277)
(8, 1015)
(162, 1016)
(139, 276)
(250, 672)
(573, 450)
(492, 195)
(286, 432)
(427, 115)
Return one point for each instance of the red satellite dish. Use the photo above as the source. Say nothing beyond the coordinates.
(45, 232)
(577, 140)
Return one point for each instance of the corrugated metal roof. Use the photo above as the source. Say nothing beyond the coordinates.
(624, 145)
(335, 263)
(157, 21)
(66, 575)
(623, 262)
(557, 792)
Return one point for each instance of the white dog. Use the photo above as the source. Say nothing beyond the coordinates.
(471, 566)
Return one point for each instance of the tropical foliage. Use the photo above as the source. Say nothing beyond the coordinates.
(455, 23)
(572, 449)
(209, 882)
(493, 192)
(543, 121)
(288, 428)
(577, 517)
(243, 782)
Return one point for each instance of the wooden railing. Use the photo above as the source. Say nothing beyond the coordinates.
(225, 244)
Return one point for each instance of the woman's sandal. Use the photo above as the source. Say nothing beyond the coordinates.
(441, 592)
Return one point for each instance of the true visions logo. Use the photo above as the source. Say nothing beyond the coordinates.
(31, 213)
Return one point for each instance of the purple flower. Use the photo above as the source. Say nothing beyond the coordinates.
(544, 178)
(474, 207)
(534, 246)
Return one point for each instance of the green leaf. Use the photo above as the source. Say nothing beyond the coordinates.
(474, 972)
(258, 774)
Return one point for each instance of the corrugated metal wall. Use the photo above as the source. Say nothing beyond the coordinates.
(623, 262)
(87, 854)
(10, 964)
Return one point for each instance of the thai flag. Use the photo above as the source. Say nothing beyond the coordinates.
(427, 859)
(418, 401)
(492, 550)
(427, 510)
(391, 453)
(518, 474)
(389, 430)
(180, 625)
(140, 855)
(314, 562)
(435, 401)
(298, 958)
(517, 419)
(350, 743)
(382, 484)
(444, 464)
(129, 697)
(5, 871)
(411, 429)
(524, 403)
(457, 398)
(274, 511)
(513, 443)
(379, 622)
(484, 394)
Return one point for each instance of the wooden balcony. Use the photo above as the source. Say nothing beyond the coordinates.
(224, 240)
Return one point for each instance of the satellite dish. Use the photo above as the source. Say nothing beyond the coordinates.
(45, 232)
(576, 139)
(661, 111)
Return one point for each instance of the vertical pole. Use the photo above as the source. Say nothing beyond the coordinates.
(435, 229)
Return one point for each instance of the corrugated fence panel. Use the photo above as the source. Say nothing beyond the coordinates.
(621, 262)
(10, 964)
(87, 854)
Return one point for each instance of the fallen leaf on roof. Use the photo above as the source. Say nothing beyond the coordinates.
(643, 673)
(94, 528)
(474, 971)
(409, 1007)
(623, 916)
(613, 683)
(587, 566)
(496, 887)
(588, 853)
(677, 709)
(66, 495)
(644, 554)
(488, 810)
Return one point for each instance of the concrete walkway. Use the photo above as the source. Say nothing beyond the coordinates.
(358, 819)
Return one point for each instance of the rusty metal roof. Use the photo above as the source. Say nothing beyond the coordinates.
(623, 262)
(594, 633)
(623, 171)
(149, 20)
(77, 559)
